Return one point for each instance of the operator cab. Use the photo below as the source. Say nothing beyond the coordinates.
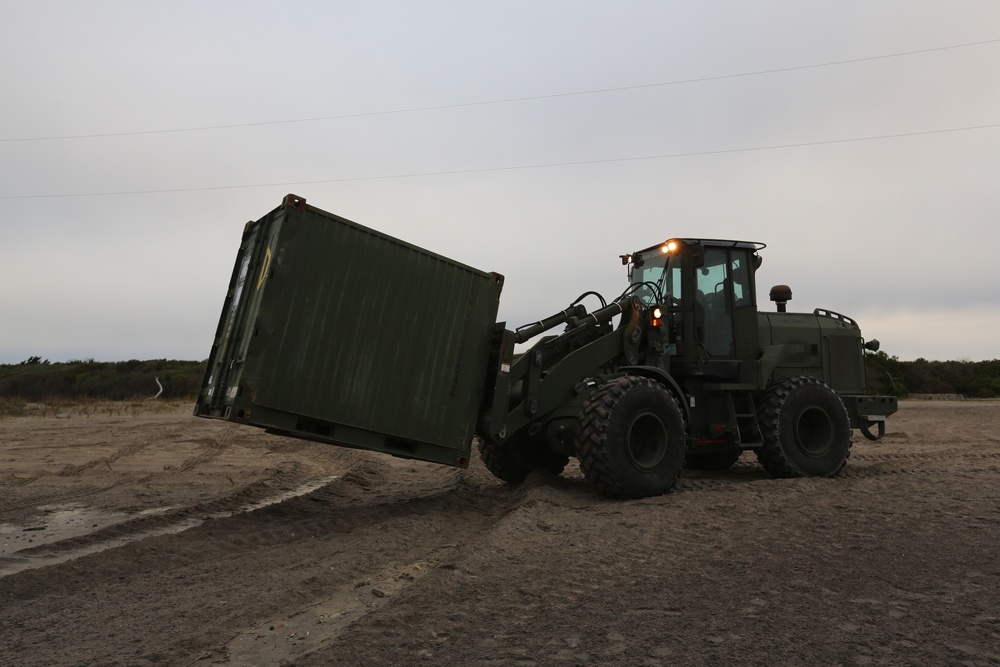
(708, 288)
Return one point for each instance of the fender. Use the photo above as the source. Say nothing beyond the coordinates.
(656, 373)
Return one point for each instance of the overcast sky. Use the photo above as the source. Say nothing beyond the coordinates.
(860, 140)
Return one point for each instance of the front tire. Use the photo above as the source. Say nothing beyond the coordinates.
(805, 429)
(518, 456)
(632, 438)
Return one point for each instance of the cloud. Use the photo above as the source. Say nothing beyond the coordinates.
(880, 226)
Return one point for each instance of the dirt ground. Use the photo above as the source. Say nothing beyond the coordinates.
(162, 539)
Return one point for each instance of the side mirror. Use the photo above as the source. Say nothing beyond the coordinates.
(697, 255)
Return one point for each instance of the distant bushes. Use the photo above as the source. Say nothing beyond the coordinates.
(37, 380)
(972, 379)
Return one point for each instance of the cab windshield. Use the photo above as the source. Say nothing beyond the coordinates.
(657, 279)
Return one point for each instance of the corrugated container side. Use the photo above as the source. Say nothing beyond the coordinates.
(355, 337)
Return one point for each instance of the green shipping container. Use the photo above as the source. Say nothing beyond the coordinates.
(335, 332)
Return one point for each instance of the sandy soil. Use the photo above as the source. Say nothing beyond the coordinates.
(162, 539)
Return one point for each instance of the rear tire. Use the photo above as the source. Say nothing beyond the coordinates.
(805, 429)
(518, 456)
(632, 438)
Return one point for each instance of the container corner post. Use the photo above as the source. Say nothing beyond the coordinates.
(294, 201)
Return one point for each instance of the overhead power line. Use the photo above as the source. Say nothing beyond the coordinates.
(507, 100)
(509, 168)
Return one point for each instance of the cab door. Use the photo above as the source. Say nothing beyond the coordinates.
(726, 304)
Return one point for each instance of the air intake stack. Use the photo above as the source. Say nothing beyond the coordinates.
(781, 295)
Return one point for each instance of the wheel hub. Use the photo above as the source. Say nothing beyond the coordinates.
(814, 431)
(646, 441)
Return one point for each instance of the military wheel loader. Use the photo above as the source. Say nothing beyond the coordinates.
(338, 333)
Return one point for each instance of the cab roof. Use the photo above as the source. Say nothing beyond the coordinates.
(711, 243)
(705, 243)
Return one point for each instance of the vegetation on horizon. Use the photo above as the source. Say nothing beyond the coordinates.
(972, 379)
(36, 379)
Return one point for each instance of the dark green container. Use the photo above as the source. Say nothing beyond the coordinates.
(335, 332)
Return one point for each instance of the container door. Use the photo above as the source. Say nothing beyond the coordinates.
(239, 313)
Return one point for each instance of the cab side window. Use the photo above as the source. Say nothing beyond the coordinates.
(740, 272)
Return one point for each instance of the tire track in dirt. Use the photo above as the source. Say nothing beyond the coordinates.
(961, 433)
(329, 556)
(744, 471)
(458, 512)
(939, 455)
(306, 631)
(102, 516)
(724, 481)
(78, 469)
(21, 481)
(128, 450)
(213, 448)
(56, 498)
(860, 465)
(70, 471)
(153, 523)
